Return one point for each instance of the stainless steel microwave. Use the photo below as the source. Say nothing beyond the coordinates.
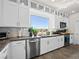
(63, 25)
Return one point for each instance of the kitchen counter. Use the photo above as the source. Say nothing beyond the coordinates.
(5, 41)
(29, 38)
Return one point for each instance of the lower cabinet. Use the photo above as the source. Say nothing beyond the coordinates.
(17, 50)
(60, 41)
(1, 56)
(43, 45)
(4, 52)
(71, 39)
(51, 43)
(47, 45)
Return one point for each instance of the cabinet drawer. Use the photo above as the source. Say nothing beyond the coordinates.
(18, 43)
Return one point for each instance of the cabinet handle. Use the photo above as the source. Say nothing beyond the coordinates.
(18, 23)
(61, 39)
(47, 42)
(19, 43)
(25, 48)
(33, 41)
(58, 40)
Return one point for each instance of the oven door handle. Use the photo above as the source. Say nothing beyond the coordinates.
(32, 41)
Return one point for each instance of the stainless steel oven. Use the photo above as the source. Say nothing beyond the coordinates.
(33, 48)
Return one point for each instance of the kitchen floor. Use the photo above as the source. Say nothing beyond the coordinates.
(69, 52)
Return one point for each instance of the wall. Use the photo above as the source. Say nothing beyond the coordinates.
(50, 17)
(73, 19)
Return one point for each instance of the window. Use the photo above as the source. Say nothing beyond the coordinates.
(24, 1)
(46, 9)
(33, 5)
(39, 22)
(40, 7)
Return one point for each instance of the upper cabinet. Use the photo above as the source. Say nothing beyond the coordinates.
(1, 9)
(15, 13)
(10, 13)
(24, 17)
(24, 13)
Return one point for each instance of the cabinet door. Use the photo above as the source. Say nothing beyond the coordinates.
(54, 43)
(61, 41)
(10, 13)
(1, 8)
(50, 43)
(43, 46)
(57, 42)
(18, 50)
(24, 17)
(1, 56)
(24, 13)
(71, 39)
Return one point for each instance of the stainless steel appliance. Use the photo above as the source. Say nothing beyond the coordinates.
(63, 25)
(33, 48)
(66, 40)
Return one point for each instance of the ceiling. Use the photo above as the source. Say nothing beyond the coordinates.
(59, 3)
(67, 6)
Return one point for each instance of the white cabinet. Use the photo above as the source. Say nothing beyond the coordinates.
(43, 45)
(1, 12)
(55, 43)
(24, 17)
(71, 39)
(10, 13)
(55, 40)
(24, 13)
(47, 44)
(4, 52)
(1, 56)
(51, 43)
(60, 41)
(14, 13)
(18, 50)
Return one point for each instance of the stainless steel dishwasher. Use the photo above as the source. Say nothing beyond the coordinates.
(33, 48)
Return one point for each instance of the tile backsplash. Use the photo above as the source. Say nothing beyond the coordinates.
(15, 31)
